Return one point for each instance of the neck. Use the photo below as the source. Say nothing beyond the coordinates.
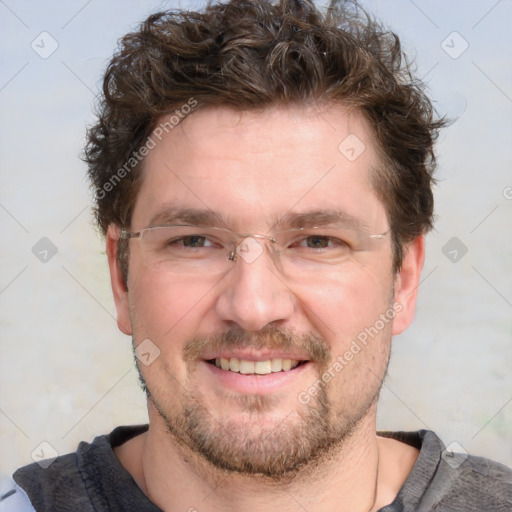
(352, 478)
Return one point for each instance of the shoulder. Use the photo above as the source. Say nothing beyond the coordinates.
(465, 482)
(58, 486)
(84, 480)
(470, 483)
(442, 480)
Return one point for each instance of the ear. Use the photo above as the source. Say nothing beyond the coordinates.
(119, 289)
(407, 281)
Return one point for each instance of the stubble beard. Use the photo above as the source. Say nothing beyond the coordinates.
(280, 451)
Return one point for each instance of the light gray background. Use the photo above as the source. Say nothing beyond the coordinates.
(66, 373)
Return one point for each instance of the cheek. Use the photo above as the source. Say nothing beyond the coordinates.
(166, 310)
(343, 307)
(349, 315)
(168, 313)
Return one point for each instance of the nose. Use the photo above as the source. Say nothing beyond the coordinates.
(254, 293)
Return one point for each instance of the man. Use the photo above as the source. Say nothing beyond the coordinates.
(263, 178)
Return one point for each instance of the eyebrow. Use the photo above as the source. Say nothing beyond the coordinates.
(192, 216)
(320, 218)
(206, 217)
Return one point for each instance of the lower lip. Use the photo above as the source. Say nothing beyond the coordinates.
(255, 384)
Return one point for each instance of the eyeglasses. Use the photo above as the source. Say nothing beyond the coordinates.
(193, 250)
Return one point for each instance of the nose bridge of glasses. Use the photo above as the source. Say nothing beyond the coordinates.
(248, 246)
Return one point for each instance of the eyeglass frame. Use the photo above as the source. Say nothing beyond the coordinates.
(232, 254)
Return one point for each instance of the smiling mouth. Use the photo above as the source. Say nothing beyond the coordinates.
(246, 367)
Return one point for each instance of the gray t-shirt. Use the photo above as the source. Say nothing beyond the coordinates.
(93, 480)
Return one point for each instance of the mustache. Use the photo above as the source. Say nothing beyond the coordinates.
(271, 338)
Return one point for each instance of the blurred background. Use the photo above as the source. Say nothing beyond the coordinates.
(67, 373)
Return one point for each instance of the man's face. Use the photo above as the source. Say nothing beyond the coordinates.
(259, 173)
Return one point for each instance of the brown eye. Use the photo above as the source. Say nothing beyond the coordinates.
(192, 241)
(318, 242)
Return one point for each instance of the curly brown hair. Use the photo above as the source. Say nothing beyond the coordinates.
(252, 54)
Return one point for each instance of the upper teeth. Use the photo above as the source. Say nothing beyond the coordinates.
(259, 367)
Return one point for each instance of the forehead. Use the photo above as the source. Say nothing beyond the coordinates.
(256, 167)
